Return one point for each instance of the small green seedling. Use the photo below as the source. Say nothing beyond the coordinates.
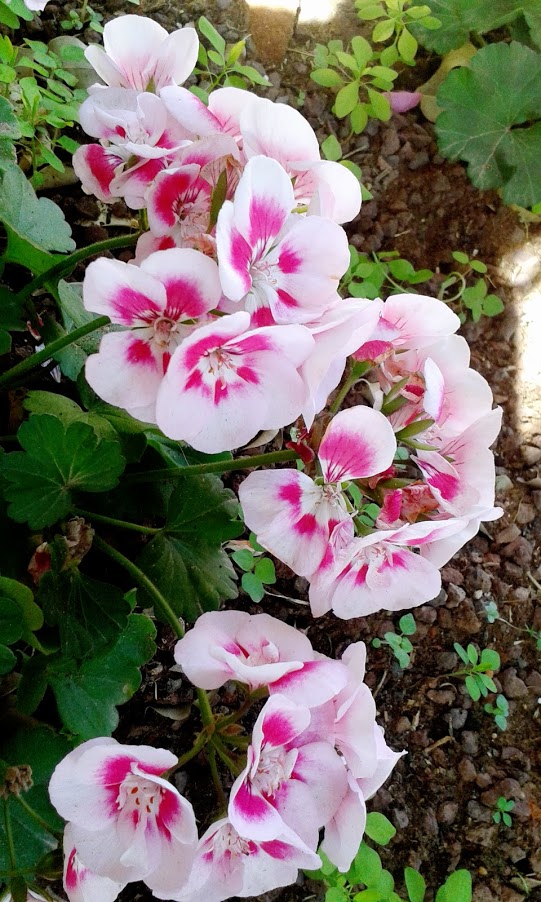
(394, 18)
(474, 298)
(398, 642)
(85, 17)
(501, 814)
(500, 711)
(220, 65)
(258, 571)
(478, 670)
(368, 881)
(380, 274)
(360, 81)
(493, 614)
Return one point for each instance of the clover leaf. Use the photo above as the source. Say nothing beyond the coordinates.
(491, 118)
(186, 561)
(37, 220)
(58, 459)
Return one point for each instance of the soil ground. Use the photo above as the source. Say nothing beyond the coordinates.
(442, 793)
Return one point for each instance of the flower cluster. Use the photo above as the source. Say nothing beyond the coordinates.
(231, 318)
(315, 756)
(420, 455)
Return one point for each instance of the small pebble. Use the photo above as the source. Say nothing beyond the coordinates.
(512, 685)
(470, 742)
(447, 812)
(466, 770)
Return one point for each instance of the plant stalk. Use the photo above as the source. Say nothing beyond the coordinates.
(161, 604)
(35, 360)
(214, 466)
(112, 521)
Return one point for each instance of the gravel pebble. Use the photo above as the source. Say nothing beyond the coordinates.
(470, 742)
(455, 595)
(512, 685)
(504, 536)
(466, 770)
(520, 551)
(441, 696)
(479, 812)
(447, 812)
(457, 718)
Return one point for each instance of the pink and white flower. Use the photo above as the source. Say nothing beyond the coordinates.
(409, 321)
(226, 382)
(284, 268)
(290, 786)
(81, 884)
(359, 576)
(221, 116)
(293, 516)
(127, 822)
(160, 303)
(227, 864)
(258, 650)
(138, 53)
(282, 133)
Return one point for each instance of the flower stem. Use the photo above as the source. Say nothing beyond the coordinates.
(199, 743)
(35, 360)
(68, 264)
(9, 835)
(112, 521)
(216, 777)
(250, 700)
(358, 369)
(217, 743)
(214, 466)
(160, 603)
(204, 709)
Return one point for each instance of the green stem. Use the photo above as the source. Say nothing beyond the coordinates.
(112, 521)
(204, 709)
(216, 777)
(199, 743)
(37, 817)
(9, 835)
(214, 466)
(160, 603)
(358, 369)
(222, 753)
(35, 360)
(68, 264)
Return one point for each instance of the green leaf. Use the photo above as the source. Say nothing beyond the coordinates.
(457, 888)
(473, 689)
(490, 659)
(379, 829)
(10, 625)
(407, 625)
(493, 305)
(460, 257)
(30, 615)
(346, 99)
(473, 655)
(9, 127)
(336, 894)
(359, 118)
(217, 199)
(244, 559)
(461, 652)
(331, 148)
(39, 221)
(253, 75)
(362, 51)
(486, 114)
(407, 46)
(381, 108)
(265, 572)
(327, 78)
(186, 561)
(459, 18)
(415, 885)
(7, 660)
(7, 17)
(57, 460)
(366, 867)
(383, 31)
(212, 36)
(253, 586)
(478, 266)
(87, 696)
(89, 614)
(40, 748)
(370, 11)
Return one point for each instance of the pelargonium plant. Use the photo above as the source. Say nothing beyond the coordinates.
(227, 325)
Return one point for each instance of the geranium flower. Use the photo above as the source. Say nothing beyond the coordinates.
(293, 516)
(160, 302)
(258, 650)
(409, 321)
(138, 53)
(81, 884)
(127, 822)
(283, 268)
(227, 382)
(228, 865)
(291, 785)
